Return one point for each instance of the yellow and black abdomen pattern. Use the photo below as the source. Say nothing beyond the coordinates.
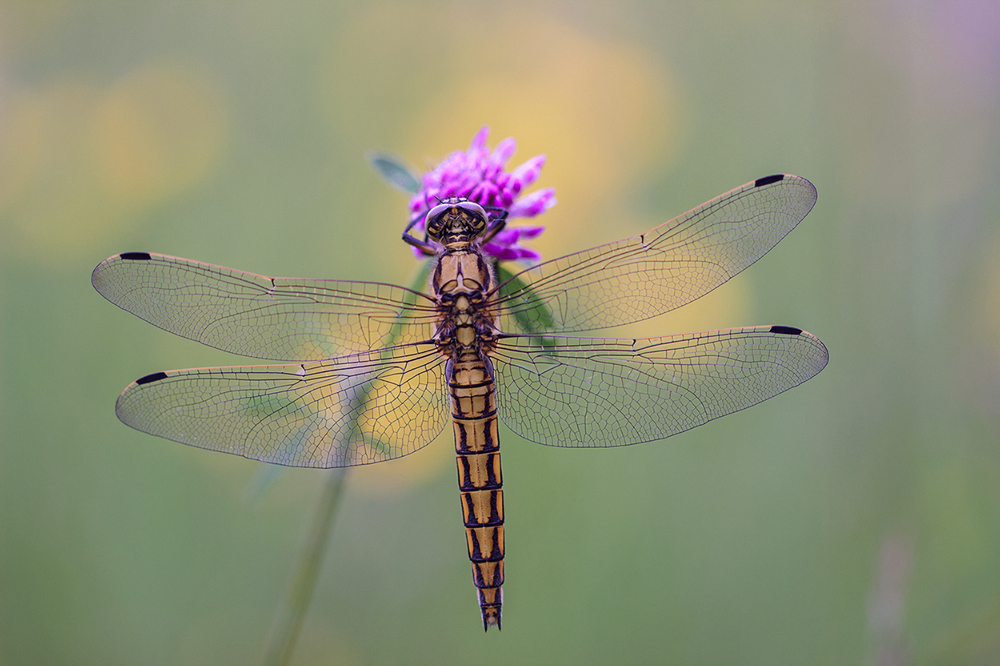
(477, 449)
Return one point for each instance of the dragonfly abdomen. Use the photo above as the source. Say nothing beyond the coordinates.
(480, 481)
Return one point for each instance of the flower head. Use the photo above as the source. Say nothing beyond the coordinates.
(477, 174)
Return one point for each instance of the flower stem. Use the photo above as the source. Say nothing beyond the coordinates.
(291, 610)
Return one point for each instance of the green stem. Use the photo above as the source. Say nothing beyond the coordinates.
(292, 609)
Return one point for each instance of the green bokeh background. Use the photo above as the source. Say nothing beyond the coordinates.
(854, 520)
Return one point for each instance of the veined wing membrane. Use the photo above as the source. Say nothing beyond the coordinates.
(644, 276)
(279, 319)
(591, 392)
(352, 410)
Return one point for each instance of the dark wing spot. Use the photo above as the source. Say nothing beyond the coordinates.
(135, 256)
(149, 379)
(786, 330)
(767, 180)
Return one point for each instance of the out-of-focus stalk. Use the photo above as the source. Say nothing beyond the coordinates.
(291, 610)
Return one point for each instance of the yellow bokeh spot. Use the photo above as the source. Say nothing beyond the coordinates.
(604, 112)
(394, 428)
(155, 133)
(401, 475)
(85, 160)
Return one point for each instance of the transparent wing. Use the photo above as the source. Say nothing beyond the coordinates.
(353, 410)
(280, 319)
(644, 276)
(586, 392)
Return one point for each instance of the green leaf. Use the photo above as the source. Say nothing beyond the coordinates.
(534, 319)
(394, 171)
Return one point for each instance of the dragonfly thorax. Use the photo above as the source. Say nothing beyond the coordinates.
(461, 280)
(456, 223)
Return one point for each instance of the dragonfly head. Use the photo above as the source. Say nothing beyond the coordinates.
(456, 223)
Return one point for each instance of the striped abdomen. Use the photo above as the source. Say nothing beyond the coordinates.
(477, 449)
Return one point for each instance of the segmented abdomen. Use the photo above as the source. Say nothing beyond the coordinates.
(477, 449)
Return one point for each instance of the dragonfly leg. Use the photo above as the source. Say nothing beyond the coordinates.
(497, 222)
(421, 245)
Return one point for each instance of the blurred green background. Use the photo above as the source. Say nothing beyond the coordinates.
(854, 520)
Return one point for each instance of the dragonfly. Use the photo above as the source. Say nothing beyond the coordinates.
(368, 372)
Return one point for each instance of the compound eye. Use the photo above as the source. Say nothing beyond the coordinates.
(476, 212)
(473, 208)
(436, 212)
(432, 222)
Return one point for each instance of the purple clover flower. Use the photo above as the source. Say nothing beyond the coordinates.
(477, 174)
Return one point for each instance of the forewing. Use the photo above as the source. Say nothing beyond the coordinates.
(587, 392)
(280, 319)
(644, 276)
(353, 410)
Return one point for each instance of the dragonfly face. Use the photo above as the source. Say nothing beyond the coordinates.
(368, 372)
(456, 223)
